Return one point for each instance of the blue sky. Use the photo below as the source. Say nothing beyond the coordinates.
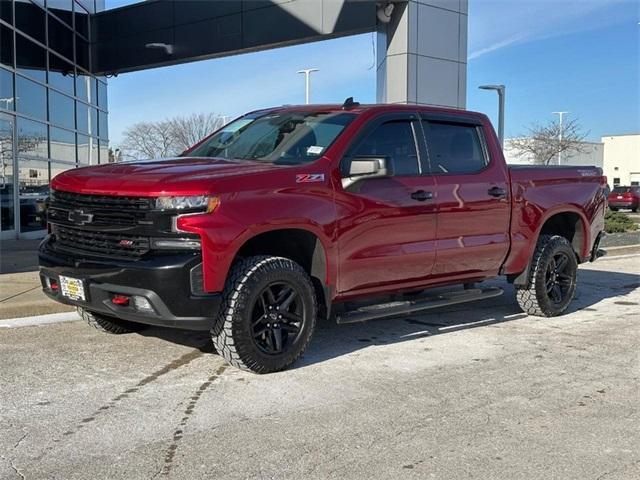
(582, 56)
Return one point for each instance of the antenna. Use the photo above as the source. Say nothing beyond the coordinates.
(349, 103)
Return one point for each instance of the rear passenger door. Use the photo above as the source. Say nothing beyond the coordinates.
(387, 226)
(472, 195)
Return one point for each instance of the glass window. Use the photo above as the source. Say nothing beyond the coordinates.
(6, 170)
(32, 138)
(6, 89)
(61, 74)
(62, 9)
(395, 141)
(82, 53)
(93, 92)
(82, 20)
(62, 144)
(454, 148)
(32, 208)
(82, 117)
(94, 159)
(83, 149)
(82, 86)
(31, 98)
(6, 40)
(31, 59)
(286, 138)
(61, 109)
(102, 96)
(103, 125)
(30, 19)
(103, 146)
(33, 177)
(6, 11)
(60, 38)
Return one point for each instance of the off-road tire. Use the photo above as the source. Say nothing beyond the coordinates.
(533, 297)
(231, 333)
(107, 324)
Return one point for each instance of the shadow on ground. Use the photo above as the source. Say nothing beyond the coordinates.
(332, 340)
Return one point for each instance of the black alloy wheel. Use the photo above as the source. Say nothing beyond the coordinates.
(277, 318)
(559, 279)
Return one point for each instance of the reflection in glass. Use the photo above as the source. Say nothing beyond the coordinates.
(32, 138)
(31, 59)
(60, 109)
(103, 125)
(30, 19)
(102, 96)
(32, 212)
(6, 173)
(31, 98)
(6, 89)
(82, 86)
(6, 40)
(61, 74)
(58, 168)
(33, 177)
(82, 53)
(83, 149)
(60, 38)
(62, 9)
(93, 150)
(104, 152)
(62, 144)
(6, 11)
(82, 20)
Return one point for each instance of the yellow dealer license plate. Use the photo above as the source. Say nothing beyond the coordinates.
(72, 288)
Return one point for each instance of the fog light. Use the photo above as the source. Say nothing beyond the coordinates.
(142, 304)
(120, 300)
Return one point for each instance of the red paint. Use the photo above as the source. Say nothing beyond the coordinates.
(625, 197)
(378, 239)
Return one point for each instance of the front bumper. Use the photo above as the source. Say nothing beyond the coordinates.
(164, 280)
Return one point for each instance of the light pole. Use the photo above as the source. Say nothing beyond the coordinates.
(561, 115)
(307, 80)
(500, 89)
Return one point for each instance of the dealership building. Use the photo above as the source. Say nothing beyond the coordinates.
(56, 56)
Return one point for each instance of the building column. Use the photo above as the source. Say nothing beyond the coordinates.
(422, 54)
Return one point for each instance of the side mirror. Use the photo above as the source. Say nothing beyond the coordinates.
(368, 167)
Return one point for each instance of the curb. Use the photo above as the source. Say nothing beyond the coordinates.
(39, 320)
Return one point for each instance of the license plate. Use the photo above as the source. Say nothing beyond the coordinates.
(72, 288)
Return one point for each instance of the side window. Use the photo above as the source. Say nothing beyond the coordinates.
(394, 140)
(454, 148)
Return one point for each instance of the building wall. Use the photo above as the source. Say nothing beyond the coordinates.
(622, 159)
(58, 109)
(593, 155)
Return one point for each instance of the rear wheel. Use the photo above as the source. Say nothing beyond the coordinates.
(552, 278)
(268, 314)
(108, 324)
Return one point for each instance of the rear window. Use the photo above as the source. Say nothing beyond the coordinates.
(621, 190)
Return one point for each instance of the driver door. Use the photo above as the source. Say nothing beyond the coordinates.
(387, 226)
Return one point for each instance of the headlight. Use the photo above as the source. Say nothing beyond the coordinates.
(196, 202)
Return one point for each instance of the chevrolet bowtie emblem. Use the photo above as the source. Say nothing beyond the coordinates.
(79, 217)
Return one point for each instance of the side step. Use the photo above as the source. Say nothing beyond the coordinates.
(392, 309)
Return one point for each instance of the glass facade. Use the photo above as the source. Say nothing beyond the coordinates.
(53, 112)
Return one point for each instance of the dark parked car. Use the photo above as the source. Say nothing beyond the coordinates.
(624, 197)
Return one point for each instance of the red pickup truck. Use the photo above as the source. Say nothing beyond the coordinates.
(281, 216)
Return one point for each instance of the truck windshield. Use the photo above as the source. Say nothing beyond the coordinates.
(285, 138)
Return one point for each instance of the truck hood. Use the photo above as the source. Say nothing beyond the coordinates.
(171, 176)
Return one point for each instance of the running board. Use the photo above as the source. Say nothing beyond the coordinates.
(391, 309)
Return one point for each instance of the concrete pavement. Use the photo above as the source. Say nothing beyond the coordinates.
(472, 391)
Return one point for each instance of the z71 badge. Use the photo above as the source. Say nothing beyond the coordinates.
(309, 177)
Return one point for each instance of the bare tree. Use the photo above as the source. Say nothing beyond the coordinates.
(169, 137)
(543, 141)
(189, 130)
(150, 140)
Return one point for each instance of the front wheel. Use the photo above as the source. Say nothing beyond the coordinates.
(268, 314)
(552, 278)
(108, 324)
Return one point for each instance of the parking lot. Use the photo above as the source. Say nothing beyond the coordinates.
(472, 391)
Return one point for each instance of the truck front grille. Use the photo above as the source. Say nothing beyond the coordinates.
(78, 242)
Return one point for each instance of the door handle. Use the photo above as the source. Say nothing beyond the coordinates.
(421, 195)
(497, 192)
